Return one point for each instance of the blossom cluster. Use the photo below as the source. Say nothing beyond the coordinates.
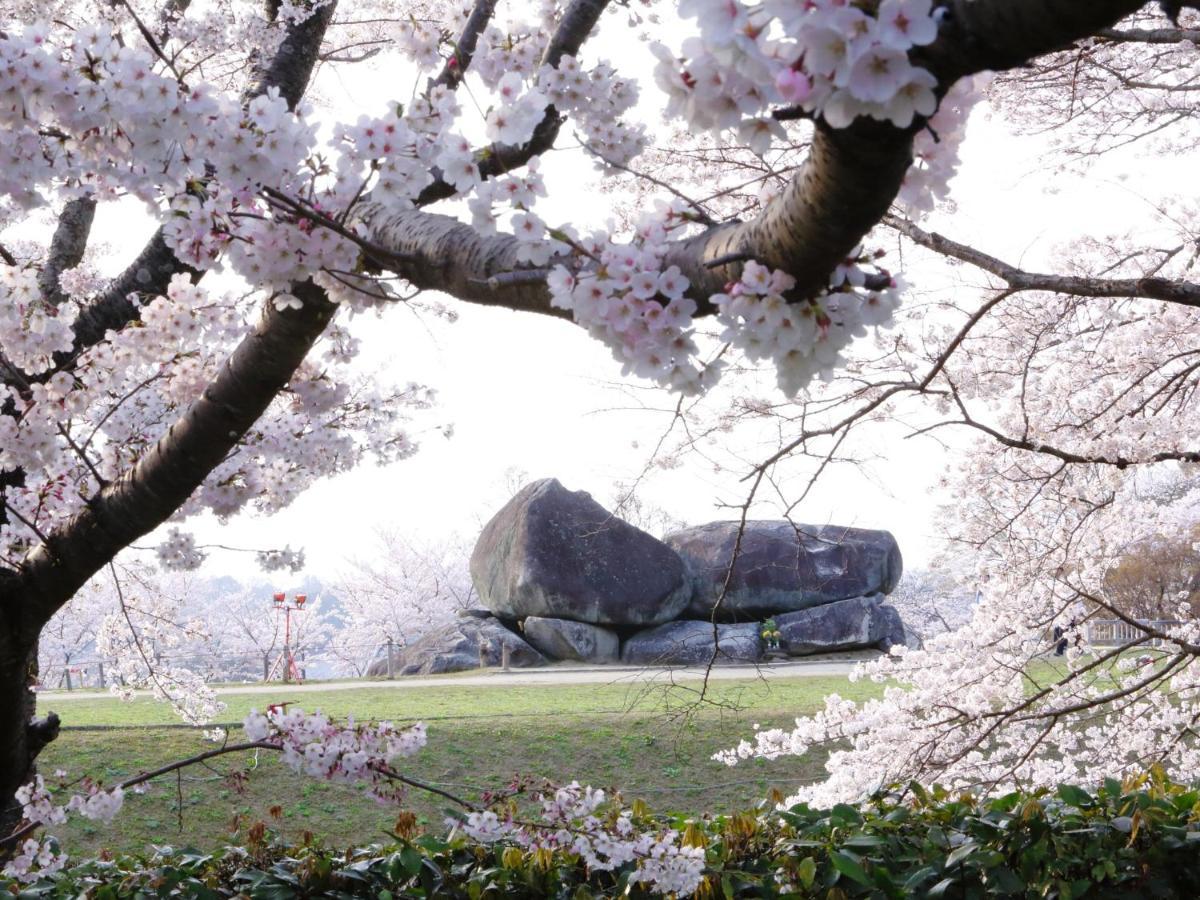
(32, 330)
(936, 148)
(35, 859)
(516, 47)
(278, 560)
(39, 858)
(628, 300)
(352, 754)
(804, 340)
(179, 551)
(603, 834)
(596, 100)
(828, 57)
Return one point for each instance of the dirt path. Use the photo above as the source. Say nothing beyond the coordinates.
(551, 675)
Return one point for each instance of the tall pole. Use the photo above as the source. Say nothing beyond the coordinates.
(287, 644)
(287, 659)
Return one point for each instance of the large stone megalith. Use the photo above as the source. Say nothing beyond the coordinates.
(559, 554)
(783, 567)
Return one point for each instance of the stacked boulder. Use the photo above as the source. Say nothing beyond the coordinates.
(564, 579)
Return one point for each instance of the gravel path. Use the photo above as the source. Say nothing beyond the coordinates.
(551, 675)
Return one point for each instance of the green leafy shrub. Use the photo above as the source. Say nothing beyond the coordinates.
(1139, 839)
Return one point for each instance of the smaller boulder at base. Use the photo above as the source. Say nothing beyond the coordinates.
(559, 554)
(456, 646)
(853, 624)
(690, 643)
(564, 639)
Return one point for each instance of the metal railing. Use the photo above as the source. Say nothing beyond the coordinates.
(322, 663)
(315, 664)
(1115, 632)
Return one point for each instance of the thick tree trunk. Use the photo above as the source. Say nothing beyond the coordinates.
(21, 738)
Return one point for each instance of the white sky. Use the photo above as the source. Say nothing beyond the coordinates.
(538, 395)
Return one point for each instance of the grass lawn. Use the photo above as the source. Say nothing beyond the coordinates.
(650, 743)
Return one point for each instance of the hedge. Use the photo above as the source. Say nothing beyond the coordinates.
(1140, 838)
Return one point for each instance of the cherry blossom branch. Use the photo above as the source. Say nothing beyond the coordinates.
(67, 246)
(1067, 456)
(30, 827)
(289, 70)
(577, 24)
(843, 189)
(149, 493)
(441, 253)
(1147, 629)
(464, 48)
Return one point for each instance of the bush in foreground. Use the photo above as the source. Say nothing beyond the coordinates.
(1138, 838)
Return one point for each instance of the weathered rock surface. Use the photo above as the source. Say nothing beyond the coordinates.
(690, 643)
(842, 625)
(559, 554)
(455, 647)
(564, 639)
(783, 567)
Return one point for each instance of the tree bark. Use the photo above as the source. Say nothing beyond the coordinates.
(21, 737)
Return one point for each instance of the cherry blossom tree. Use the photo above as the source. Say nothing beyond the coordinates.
(145, 392)
(1069, 390)
(399, 592)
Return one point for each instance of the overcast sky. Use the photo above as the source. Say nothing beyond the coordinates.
(531, 394)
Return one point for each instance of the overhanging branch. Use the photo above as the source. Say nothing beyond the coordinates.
(844, 188)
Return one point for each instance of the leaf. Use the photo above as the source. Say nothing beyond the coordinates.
(918, 791)
(411, 859)
(865, 841)
(939, 889)
(845, 814)
(807, 872)
(1076, 796)
(919, 877)
(850, 867)
(961, 853)
(1003, 880)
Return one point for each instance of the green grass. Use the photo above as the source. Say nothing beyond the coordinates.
(650, 743)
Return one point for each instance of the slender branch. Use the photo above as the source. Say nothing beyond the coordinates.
(151, 40)
(31, 827)
(1164, 289)
(389, 772)
(702, 215)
